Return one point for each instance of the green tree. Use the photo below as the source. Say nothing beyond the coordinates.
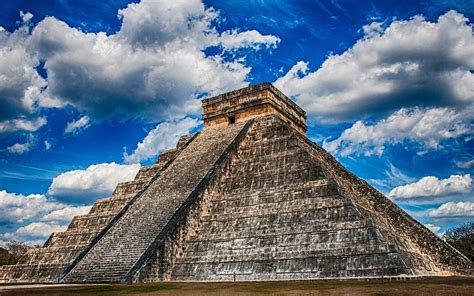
(5, 257)
(17, 250)
(462, 238)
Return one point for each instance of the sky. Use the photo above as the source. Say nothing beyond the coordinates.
(90, 91)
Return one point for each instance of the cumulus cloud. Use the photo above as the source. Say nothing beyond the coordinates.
(20, 83)
(373, 29)
(433, 227)
(77, 125)
(98, 180)
(164, 136)
(154, 66)
(17, 208)
(410, 63)
(432, 186)
(22, 124)
(466, 164)
(26, 16)
(34, 216)
(19, 148)
(452, 210)
(66, 214)
(39, 230)
(32, 234)
(429, 127)
(253, 39)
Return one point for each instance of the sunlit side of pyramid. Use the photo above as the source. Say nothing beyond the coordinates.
(247, 198)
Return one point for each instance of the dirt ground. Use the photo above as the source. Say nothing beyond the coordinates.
(429, 286)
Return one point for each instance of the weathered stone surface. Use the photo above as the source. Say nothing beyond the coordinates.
(46, 264)
(282, 208)
(121, 247)
(250, 102)
(280, 213)
(252, 199)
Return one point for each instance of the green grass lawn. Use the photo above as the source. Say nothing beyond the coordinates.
(428, 286)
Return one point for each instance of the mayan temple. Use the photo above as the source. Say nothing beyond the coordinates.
(250, 197)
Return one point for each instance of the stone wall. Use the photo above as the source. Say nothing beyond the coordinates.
(250, 102)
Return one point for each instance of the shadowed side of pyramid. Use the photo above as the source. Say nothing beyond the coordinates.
(284, 209)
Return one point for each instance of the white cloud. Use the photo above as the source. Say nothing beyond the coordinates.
(47, 145)
(253, 39)
(432, 186)
(19, 148)
(32, 234)
(34, 216)
(465, 165)
(39, 230)
(433, 227)
(26, 16)
(426, 126)
(391, 177)
(164, 136)
(77, 125)
(154, 66)
(17, 208)
(412, 62)
(97, 180)
(453, 209)
(373, 29)
(21, 124)
(66, 214)
(20, 84)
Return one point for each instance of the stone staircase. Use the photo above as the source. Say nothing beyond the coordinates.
(111, 257)
(45, 264)
(278, 215)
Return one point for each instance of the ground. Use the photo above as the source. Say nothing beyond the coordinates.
(428, 286)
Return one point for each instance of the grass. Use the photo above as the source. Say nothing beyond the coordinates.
(420, 287)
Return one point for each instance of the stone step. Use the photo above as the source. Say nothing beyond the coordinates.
(148, 172)
(70, 238)
(307, 203)
(270, 179)
(130, 236)
(321, 187)
(257, 220)
(285, 252)
(112, 204)
(275, 213)
(231, 233)
(91, 221)
(334, 232)
(130, 187)
(323, 266)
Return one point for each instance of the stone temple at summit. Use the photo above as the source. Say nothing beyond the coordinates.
(250, 197)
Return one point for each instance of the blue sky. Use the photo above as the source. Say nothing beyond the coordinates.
(89, 90)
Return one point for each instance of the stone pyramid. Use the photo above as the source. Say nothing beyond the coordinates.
(247, 198)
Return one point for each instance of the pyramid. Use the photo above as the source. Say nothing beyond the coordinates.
(250, 197)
